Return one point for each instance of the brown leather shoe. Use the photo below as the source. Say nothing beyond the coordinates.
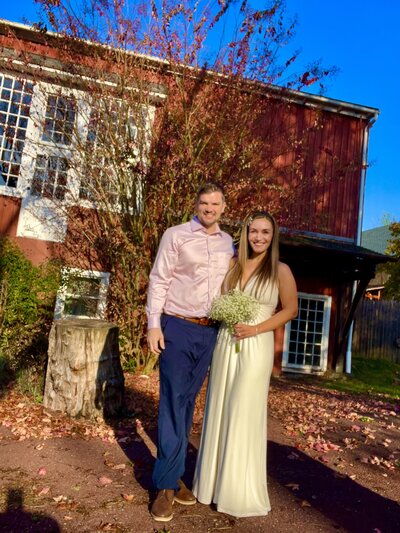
(184, 495)
(161, 510)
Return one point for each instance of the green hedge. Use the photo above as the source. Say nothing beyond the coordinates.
(27, 296)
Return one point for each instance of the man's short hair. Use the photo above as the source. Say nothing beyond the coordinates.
(208, 188)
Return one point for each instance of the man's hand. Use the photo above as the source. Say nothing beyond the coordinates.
(155, 340)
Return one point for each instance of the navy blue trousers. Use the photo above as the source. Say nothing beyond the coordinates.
(183, 368)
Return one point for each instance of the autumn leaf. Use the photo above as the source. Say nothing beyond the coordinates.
(121, 466)
(139, 426)
(305, 503)
(128, 497)
(108, 526)
(60, 498)
(293, 486)
(103, 480)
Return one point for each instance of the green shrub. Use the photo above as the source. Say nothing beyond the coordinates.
(27, 295)
(30, 381)
(6, 374)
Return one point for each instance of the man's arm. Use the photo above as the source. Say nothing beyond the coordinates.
(159, 282)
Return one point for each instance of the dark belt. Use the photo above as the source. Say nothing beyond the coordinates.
(202, 321)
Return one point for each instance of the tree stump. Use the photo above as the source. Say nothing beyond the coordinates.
(84, 375)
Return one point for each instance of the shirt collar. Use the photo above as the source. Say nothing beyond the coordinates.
(196, 226)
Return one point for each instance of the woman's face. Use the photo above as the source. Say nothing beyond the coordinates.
(260, 235)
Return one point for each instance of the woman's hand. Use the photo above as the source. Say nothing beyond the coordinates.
(244, 331)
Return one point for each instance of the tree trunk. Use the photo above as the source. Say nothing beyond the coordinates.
(84, 374)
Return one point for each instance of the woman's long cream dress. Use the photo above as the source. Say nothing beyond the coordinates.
(231, 466)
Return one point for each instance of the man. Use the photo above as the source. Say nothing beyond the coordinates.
(190, 266)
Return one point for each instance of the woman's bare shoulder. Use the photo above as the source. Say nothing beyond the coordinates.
(283, 267)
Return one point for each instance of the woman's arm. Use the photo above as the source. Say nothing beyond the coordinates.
(288, 298)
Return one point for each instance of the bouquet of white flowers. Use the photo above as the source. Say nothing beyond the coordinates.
(233, 307)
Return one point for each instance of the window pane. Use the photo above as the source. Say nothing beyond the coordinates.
(59, 119)
(8, 82)
(80, 307)
(83, 294)
(306, 333)
(111, 131)
(303, 314)
(13, 113)
(84, 286)
(50, 177)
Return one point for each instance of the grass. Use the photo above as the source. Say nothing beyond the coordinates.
(368, 376)
(30, 383)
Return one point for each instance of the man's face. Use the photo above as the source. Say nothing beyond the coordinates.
(209, 208)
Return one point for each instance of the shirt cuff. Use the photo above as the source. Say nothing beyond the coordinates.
(153, 321)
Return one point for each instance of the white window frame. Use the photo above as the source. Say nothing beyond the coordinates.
(5, 189)
(148, 112)
(62, 293)
(309, 369)
(35, 145)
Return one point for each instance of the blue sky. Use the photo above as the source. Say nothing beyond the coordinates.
(362, 39)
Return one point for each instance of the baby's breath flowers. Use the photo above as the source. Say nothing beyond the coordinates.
(233, 307)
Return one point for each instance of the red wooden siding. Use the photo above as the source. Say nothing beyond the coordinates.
(315, 156)
(323, 173)
(35, 250)
(9, 212)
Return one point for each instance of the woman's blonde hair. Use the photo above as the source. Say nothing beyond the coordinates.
(268, 267)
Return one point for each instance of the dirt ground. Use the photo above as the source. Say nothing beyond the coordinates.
(333, 465)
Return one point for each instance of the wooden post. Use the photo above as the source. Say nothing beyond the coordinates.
(84, 374)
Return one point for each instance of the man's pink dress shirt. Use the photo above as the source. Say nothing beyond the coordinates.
(188, 271)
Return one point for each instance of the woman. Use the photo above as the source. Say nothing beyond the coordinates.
(231, 464)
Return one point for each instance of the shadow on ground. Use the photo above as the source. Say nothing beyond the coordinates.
(140, 448)
(344, 501)
(16, 520)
